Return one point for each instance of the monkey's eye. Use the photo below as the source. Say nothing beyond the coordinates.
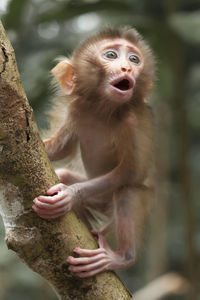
(135, 59)
(110, 55)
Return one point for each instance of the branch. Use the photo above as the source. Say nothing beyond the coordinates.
(165, 285)
(25, 172)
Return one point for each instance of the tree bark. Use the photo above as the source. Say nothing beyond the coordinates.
(25, 172)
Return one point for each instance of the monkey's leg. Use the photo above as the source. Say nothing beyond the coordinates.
(67, 177)
(131, 209)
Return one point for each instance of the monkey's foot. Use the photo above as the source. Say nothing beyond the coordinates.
(95, 261)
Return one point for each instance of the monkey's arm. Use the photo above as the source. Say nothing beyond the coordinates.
(135, 166)
(61, 198)
(106, 183)
(62, 144)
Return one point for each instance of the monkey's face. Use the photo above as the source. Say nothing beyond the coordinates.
(122, 62)
(108, 69)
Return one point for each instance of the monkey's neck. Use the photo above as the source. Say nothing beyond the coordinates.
(102, 111)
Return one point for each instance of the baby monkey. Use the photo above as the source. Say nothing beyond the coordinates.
(108, 78)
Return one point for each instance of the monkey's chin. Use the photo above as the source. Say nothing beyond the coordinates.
(120, 96)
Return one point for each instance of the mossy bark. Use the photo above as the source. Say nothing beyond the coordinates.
(26, 172)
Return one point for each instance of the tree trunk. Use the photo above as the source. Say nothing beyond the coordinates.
(26, 172)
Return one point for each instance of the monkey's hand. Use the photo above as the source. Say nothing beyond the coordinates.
(92, 262)
(59, 200)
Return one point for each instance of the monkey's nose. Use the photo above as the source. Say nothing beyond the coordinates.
(126, 69)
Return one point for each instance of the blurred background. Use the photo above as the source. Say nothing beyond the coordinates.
(42, 30)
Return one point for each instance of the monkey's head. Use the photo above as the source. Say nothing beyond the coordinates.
(114, 65)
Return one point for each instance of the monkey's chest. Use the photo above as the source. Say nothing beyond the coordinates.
(98, 152)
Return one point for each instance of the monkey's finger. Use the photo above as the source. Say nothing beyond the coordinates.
(55, 189)
(85, 260)
(51, 217)
(41, 211)
(49, 206)
(51, 199)
(88, 252)
(50, 213)
(88, 267)
(91, 273)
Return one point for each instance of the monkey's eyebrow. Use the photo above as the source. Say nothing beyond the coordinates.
(132, 48)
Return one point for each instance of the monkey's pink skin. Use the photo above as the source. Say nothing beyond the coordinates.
(95, 261)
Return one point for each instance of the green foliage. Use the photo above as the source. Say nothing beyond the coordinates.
(187, 25)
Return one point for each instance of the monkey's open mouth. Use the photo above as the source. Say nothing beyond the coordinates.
(123, 85)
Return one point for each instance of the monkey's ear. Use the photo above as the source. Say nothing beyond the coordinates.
(64, 73)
